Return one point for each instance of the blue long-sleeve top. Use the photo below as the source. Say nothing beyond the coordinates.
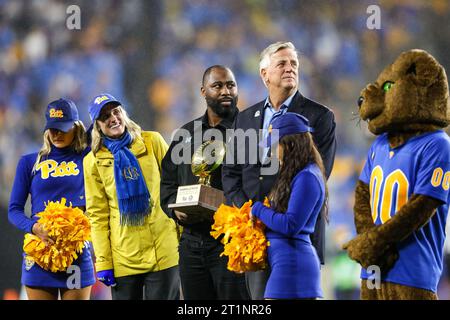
(305, 202)
(58, 175)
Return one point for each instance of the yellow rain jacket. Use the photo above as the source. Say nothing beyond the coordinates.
(129, 250)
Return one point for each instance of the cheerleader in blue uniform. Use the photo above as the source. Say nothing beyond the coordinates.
(296, 200)
(56, 171)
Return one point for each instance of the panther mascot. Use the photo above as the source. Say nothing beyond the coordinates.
(402, 196)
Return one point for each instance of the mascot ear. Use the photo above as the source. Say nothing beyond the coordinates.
(412, 69)
(421, 67)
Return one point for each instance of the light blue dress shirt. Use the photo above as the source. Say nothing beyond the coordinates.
(271, 114)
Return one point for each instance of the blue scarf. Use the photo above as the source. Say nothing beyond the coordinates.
(132, 192)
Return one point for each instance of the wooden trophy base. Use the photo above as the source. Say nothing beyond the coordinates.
(198, 199)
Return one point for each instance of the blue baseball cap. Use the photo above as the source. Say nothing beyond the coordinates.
(286, 124)
(96, 105)
(61, 114)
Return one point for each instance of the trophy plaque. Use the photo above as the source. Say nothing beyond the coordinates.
(202, 199)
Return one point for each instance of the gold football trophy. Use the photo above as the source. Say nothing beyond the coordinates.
(202, 199)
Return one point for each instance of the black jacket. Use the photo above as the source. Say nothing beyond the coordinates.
(242, 182)
(175, 175)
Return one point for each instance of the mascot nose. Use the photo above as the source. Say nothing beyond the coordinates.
(360, 101)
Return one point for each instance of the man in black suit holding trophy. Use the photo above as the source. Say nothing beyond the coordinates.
(204, 274)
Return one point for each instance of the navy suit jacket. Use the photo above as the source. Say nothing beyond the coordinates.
(246, 180)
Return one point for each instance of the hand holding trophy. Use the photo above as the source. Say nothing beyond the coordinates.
(200, 201)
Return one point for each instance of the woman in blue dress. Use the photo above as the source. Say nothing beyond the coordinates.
(296, 201)
(55, 172)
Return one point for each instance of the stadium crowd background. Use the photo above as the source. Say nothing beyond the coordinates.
(151, 55)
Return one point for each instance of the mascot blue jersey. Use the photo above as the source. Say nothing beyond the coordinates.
(420, 166)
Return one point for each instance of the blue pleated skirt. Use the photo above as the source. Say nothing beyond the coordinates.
(79, 275)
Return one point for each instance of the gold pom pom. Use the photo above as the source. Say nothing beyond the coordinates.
(244, 240)
(68, 227)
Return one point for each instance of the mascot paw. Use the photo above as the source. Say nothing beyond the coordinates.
(366, 250)
(388, 259)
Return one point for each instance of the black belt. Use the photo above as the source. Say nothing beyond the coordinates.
(195, 235)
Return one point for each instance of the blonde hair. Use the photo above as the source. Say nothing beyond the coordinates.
(79, 142)
(264, 58)
(132, 127)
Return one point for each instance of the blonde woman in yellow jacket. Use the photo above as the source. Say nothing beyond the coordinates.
(135, 243)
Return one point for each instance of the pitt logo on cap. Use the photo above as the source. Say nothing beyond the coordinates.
(98, 100)
(56, 113)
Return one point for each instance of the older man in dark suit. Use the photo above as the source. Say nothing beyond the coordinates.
(250, 171)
